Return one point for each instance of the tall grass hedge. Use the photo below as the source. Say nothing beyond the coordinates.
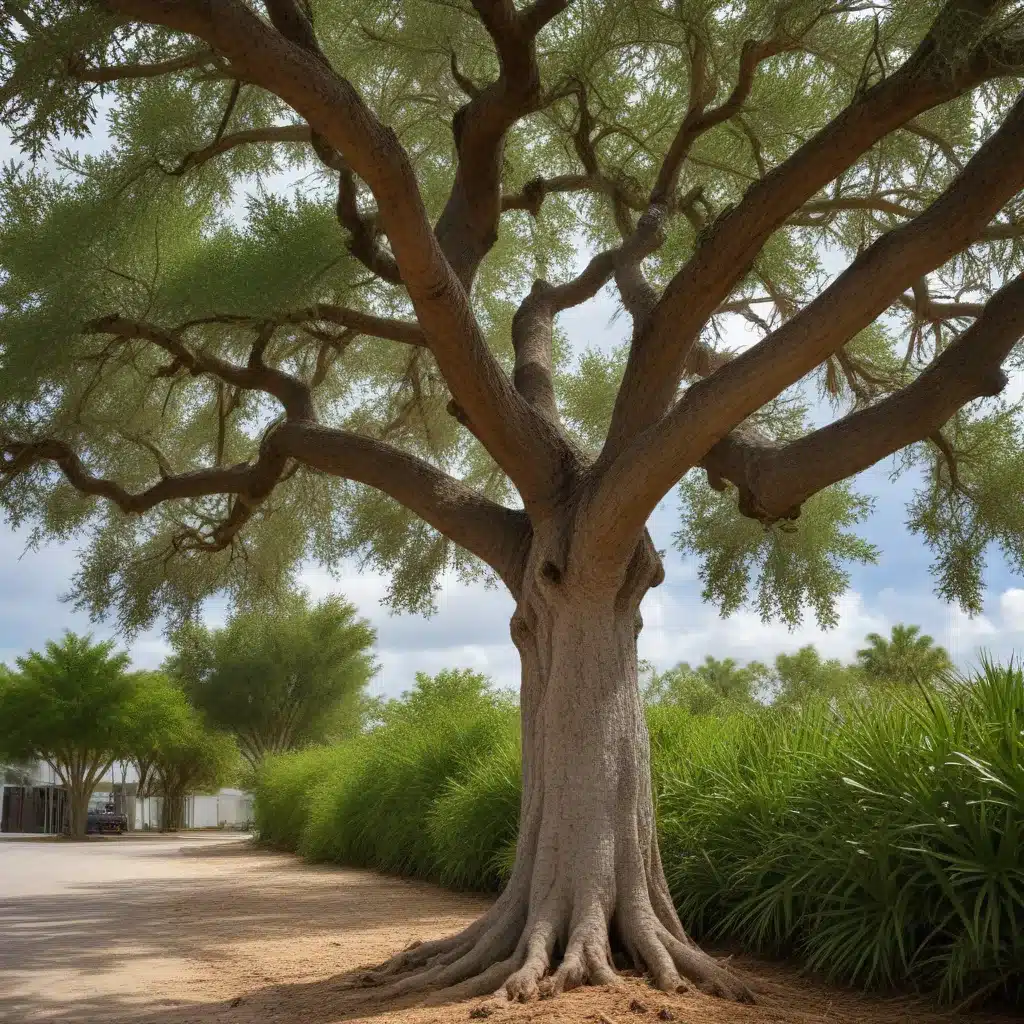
(881, 844)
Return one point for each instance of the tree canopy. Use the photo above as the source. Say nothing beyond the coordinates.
(74, 706)
(908, 656)
(282, 680)
(329, 375)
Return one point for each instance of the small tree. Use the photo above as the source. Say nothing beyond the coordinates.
(161, 711)
(804, 677)
(711, 687)
(190, 758)
(908, 657)
(278, 680)
(73, 707)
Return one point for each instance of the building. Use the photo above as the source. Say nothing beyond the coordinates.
(32, 800)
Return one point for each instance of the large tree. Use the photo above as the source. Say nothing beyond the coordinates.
(278, 681)
(365, 367)
(72, 706)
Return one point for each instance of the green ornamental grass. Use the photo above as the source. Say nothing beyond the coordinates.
(881, 843)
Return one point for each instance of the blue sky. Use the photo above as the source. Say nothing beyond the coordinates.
(471, 626)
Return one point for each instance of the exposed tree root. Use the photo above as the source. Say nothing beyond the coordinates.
(500, 956)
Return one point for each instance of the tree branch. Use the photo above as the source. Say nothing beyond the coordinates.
(115, 73)
(639, 477)
(699, 119)
(293, 394)
(468, 225)
(405, 331)
(520, 441)
(271, 134)
(774, 481)
(953, 57)
(495, 534)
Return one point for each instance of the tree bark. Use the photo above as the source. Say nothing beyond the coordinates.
(78, 810)
(587, 888)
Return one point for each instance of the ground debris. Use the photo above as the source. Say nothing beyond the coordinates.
(666, 1014)
(637, 1007)
(480, 1012)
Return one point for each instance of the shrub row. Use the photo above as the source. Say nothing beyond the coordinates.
(882, 844)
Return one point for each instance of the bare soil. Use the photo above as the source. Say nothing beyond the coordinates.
(201, 930)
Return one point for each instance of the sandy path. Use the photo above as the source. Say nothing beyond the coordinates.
(197, 931)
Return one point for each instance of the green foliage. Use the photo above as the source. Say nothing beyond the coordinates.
(383, 798)
(281, 678)
(73, 702)
(190, 757)
(714, 687)
(878, 840)
(83, 236)
(787, 565)
(804, 678)
(910, 657)
(881, 845)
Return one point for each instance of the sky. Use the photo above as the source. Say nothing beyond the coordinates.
(470, 628)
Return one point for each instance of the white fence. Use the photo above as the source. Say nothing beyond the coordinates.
(221, 810)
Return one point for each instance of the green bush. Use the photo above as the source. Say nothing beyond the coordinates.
(880, 843)
(284, 788)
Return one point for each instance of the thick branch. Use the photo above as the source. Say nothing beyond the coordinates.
(468, 226)
(493, 533)
(712, 407)
(934, 74)
(775, 480)
(520, 441)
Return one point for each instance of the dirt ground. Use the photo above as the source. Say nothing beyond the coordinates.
(206, 930)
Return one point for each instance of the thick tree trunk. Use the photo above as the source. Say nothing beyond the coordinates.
(587, 883)
(78, 810)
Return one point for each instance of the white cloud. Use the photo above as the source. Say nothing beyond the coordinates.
(1011, 609)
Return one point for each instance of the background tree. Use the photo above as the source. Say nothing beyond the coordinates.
(372, 366)
(804, 677)
(278, 680)
(908, 657)
(161, 710)
(714, 686)
(71, 706)
(189, 758)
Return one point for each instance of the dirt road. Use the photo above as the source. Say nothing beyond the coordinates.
(209, 930)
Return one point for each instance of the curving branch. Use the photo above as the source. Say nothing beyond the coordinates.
(711, 408)
(250, 136)
(521, 442)
(495, 534)
(934, 74)
(293, 394)
(468, 225)
(775, 480)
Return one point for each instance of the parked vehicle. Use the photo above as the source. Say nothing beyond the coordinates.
(106, 822)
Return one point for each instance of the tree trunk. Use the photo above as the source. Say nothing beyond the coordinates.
(78, 810)
(588, 883)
